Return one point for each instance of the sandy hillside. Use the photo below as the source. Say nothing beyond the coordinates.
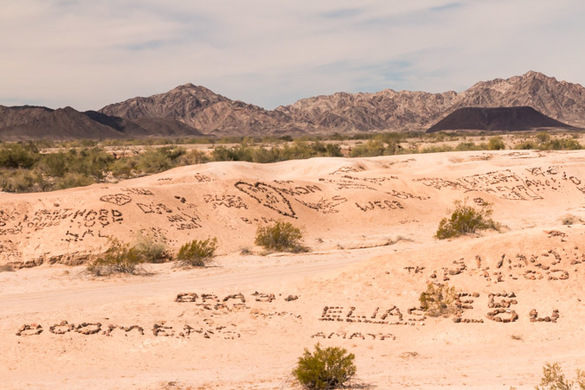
(242, 322)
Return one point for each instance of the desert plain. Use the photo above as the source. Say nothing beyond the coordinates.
(242, 321)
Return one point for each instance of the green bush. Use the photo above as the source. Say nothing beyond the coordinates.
(438, 299)
(18, 155)
(119, 258)
(464, 220)
(280, 236)
(197, 252)
(554, 379)
(327, 368)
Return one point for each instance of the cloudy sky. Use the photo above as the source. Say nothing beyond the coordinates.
(269, 52)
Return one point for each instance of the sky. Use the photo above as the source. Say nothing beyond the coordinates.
(87, 54)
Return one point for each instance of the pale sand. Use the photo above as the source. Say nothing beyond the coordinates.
(365, 220)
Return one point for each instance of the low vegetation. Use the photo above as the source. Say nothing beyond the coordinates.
(553, 378)
(438, 300)
(544, 141)
(152, 250)
(328, 368)
(126, 258)
(280, 236)
(464, 220)
(197, 252)
(118, 258)
(48, 165)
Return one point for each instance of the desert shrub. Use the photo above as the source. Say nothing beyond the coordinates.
(152, 250)
(526, 145)
(561, 144)
(496, 143)
(280, 236)
(197, 252)
(54, 164)
(553, 378)
(118, 258)
(544, 141)
(92, 162)
(542, 137)
(21, 180)
(246, 151)
(464, 220)
(382, 145)
(73, 180)
(193, 157)
(438, 299)
(327, 368)
(436, 149)
(465, 146)
(154, 160)
(18, 155)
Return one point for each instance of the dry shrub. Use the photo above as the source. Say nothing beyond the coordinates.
(197, 252)
(438, 299)
(153, 250)
(119, 258)
(327, 368)
(553, 378)
(466, 219)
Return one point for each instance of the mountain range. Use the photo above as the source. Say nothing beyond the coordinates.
(190, 110)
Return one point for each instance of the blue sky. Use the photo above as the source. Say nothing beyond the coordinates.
(90, 53)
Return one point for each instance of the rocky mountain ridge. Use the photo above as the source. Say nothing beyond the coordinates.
(193, 110)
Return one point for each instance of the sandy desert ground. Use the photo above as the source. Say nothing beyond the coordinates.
(242, 322)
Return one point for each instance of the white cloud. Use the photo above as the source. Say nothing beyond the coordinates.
(88, 54)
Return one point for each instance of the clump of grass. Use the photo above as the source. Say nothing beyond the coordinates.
(553, 378)
(197, 252)
(327, 368)
(464, 220)
(280, 236)
(438, 300)
(119, 258)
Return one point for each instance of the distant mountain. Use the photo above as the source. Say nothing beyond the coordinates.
(28, 122)
(189, 110)
(205, 110)
(497, 118)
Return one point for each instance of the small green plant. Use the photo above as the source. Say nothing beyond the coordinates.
(327, 368)
(197, 252)
(280, 236)
(553, 378)
(118, 258)
(464, 220)
(438, 300)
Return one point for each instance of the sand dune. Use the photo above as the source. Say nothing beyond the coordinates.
(243, 322)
